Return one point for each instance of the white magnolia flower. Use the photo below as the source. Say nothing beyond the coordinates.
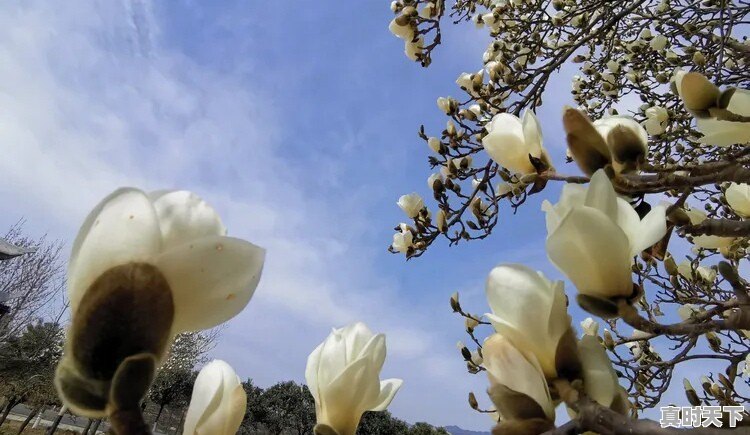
(405, 32)
(599, 378)
(635, 349)
(626, 139)
(403, 240)
(433, 178)
(738, 197)
(509, 367)
(444, 104)
(413, 49)
(218, 403)
(510, 140)
(411, 204)
(658, 43)
(656, 120)
(434, 144)
(159, 264)
(687, 311)
(700, 95)
(590, 326)
(529, 310)
(343, 375)
(593, 236)
(211, 276)
(724, 132)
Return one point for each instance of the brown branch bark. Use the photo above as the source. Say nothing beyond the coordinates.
(720, 227)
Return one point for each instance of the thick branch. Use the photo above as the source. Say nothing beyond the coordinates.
(720, 227)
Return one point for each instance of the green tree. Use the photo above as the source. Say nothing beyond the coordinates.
(290, 408)
(381, 423)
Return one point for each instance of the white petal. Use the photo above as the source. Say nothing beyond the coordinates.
(388, 390)
(513, 292)
(740, 102)
(600, 380)
(652, 228)
(507, 366)
(311, 371)
(346, 398)
(122, 228)
(723, 133)
(356, 336)
(532, 133)
(206, 397)
(738, 197)
(184, 216)
(593, 252)
(506, 145)
(212, 279)
(601, 195)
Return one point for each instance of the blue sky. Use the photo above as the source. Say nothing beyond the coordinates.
(298, 123)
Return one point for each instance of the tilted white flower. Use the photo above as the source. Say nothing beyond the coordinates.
(343, 376)
(590, 326)
(699, 95)
(510, 368)
(687, 311)
(724, 132)
(158, 263)
(738, 197)
(659, 42)
(403, 240)
(212, 277)
(218, 402)
(411, 204)
(593, 236)
(510, 140)
(529, 310)
(599, 378)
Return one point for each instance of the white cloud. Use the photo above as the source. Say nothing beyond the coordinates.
(89, 101)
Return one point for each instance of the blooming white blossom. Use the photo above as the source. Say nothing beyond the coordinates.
(656, 120)
(403, 240)
(218, 403)
(511, 140)
(433, 178)
(590, 326)
(738, 197)
(517, 371)
(528, 309)
(160, 264)
(593, 236)
(413, 49)
(411, 204)
(687, 311)
(434, 144)
(405, 32)
(445, 104)
(658, 43)
(343, 376)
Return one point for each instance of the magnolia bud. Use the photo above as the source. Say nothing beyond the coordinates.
(714, 342)
(609, 343)
(473, 401)
(698, 93)
(455, 306)
(692, 396)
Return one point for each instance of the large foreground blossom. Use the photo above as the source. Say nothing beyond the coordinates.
(529, 310)
(343, 375)
(593, 236)
(218, 403)
(145, 267)
(738, 197)
(510, 141)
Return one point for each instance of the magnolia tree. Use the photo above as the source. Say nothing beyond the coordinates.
(651, 226)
